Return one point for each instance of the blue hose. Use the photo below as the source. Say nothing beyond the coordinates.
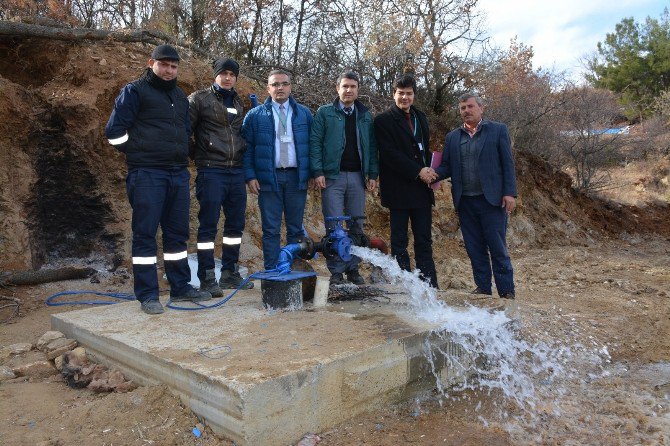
(256, 275)
(123, 296)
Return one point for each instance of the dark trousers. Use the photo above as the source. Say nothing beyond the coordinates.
(421, 219)
(484, 228)
(159, 196)
(289, 202)
(218, 189)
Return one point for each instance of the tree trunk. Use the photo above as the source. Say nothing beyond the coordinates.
(45, 275)
(301, 18)
(15, 29)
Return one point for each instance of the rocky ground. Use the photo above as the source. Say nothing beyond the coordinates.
(612, 293)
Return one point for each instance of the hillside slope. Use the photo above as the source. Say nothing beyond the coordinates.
(62, 186)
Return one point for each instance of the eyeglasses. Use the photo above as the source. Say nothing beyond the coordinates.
(280, 84)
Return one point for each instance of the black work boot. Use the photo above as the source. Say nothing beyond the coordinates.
(191, 295)
(337, 279)
(152, 307)
(355, 277)
(431, 278)
(209, 284)
(480, 291)
(231, 279)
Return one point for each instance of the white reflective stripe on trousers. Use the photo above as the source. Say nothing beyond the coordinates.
(175, 256)
(144, 260)
(117, 141)
(232, 240)
(206, 245)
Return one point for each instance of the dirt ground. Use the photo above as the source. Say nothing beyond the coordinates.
(615, 294)
(590, 273)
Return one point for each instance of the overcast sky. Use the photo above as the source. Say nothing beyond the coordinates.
(562, 31)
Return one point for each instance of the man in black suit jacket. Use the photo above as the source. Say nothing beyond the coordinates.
(478, 158)
(403, 137)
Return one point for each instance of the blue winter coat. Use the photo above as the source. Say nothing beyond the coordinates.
(258, 130)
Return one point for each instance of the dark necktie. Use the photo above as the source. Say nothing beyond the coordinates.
(348, 110)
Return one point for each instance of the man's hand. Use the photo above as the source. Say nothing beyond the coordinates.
(427, 175)
(253, 186)
(509, 203)
(372, 185)
(320, 182)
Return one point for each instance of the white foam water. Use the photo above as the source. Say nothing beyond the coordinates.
(193, 264)
(524, 372)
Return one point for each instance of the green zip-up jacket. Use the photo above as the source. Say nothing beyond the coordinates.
(327, 140)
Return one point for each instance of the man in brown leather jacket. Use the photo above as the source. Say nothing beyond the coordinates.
(216, 118)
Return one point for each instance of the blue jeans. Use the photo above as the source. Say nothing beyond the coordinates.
(484, 229)
(288, 201)
(159, 196)
(216, 189)
(345, 195)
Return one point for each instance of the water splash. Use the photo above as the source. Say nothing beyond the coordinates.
(525, 372)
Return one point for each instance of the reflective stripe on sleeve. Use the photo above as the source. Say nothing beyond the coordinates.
(117, 141)
(232, 240)
(175, 256)
(144, 260)
(206, 245)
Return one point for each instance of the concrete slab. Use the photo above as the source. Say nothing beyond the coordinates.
(267, 378)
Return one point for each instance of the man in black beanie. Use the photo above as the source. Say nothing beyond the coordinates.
(216, 116)
(150, 124)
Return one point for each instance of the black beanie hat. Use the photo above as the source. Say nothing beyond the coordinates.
(165, 52)
(223, 64)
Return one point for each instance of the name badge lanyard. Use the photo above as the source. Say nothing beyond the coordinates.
(420, 143)
(283, 120)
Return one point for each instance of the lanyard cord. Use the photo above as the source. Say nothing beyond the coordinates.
(283, 119)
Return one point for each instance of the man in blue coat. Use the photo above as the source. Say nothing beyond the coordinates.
(478, 158)
(276, 163)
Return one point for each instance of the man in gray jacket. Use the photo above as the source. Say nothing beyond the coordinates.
(216, 118)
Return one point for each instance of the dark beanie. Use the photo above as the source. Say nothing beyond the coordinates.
(165, 52)
(223, 64)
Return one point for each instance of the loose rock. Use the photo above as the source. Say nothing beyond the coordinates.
(37, 369)
(20, 348)
(48, 337)
(58, 363)
(6, 373)
(59, 347)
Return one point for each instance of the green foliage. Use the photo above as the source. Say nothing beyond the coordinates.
(634, 61)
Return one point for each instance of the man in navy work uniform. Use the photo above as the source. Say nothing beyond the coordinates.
(150, 124)
(343, 157)
(216, 117)
(276, 163)
(478, 158)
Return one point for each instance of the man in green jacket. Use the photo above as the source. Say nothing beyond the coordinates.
(344, 163)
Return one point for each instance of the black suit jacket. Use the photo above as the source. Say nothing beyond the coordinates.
(401, 160)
